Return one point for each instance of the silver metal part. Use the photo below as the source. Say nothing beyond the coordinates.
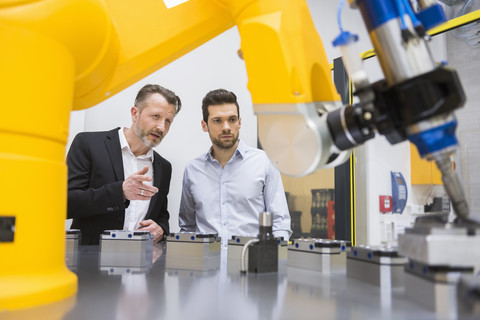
(193, 244)
(450, 246)
(377, 255)
(120, 248)
(243, 259)
(126, 235)
(71, 247)
(437, 273)
(452, 183)
(317, 246)
(377, 265)
(296, 136)
(439, 256)
(265, 219)
(316, 254)
(433, 287)
(193, 237)
(282, 249)
(319, 262)
(193, 251)
(400, 62)
(206, 262)
(438, 297)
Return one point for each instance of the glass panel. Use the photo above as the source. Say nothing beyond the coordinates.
(311, 201)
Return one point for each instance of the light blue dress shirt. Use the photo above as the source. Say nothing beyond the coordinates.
(229, 200)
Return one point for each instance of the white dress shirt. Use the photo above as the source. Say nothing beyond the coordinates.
(229, 200)
(137, 210)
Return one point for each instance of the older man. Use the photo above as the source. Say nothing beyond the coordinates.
(115, 179)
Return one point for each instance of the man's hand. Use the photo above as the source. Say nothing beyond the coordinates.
(153, 227)
(135, 189)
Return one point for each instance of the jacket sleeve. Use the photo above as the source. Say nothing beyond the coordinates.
(87, 197)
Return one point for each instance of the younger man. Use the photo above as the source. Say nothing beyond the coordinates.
(226, 189)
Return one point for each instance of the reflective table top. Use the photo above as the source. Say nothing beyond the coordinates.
(213, 288)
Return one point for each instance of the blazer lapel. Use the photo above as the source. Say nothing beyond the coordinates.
(112, 143)
(157, 176)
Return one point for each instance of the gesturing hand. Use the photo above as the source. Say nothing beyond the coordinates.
(134, 188)
(153, 227)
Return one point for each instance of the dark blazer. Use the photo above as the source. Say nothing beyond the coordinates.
(95, 178)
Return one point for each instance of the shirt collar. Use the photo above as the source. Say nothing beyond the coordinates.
(125, 146)
(241, 148)
(240, 151)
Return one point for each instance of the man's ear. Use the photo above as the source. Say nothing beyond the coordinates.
(204, 126)
(239, 122)
(134, 112)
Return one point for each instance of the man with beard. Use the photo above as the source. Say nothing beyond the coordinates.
(115, 179)
(226, 189)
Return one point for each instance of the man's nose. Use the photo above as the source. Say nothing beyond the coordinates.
(160, 125)
(226, 126)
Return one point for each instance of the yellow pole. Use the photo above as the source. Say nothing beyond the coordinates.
(36, 92)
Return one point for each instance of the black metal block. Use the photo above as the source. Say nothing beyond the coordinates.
(263, 256)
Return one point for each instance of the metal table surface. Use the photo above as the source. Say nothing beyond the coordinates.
(221, 292)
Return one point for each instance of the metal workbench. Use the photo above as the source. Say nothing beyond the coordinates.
(220, 292)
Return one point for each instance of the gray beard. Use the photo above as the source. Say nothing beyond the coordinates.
(142, 135)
